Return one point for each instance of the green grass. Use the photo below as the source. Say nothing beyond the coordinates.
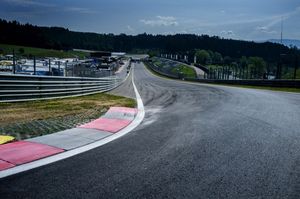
(157, 63)
(38, 110)
(24, 120)
(185, 70)
(40, 52)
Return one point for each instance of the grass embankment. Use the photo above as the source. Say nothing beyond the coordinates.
(40, 52)
(30, 119)
(158, 63)
(175, 68)
(185, 70)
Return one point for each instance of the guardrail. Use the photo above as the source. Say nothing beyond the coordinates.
(202, 68)
(158, 70)
(15, 88)
(247, 82)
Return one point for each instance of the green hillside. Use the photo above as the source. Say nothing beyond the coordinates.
(39, 52)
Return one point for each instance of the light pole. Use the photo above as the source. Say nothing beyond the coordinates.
(296, 65)
(14, 62)
(34, 65)
(279, 66)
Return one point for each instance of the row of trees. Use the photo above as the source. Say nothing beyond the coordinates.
(219, 51)
(257, 65)
(208, 57)
(13, 32)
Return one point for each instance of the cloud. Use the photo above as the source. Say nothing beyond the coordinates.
(276, 19)
(161, 21)
(183, 32)
(265, 29)
(227, 32)
(79, 10)
(26, 3)
(129, 28)
(244, 20)
(51, 7)
(292, 13)
(262, 28)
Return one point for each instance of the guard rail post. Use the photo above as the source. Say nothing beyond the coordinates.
(34, 66)
(14, 62)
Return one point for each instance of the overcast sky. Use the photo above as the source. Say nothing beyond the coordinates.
(239, 19)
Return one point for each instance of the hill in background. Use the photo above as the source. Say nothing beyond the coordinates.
(63, 39)
(287, 42)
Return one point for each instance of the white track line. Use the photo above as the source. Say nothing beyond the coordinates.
(38, 163)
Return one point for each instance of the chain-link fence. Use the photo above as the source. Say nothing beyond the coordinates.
(57, 67)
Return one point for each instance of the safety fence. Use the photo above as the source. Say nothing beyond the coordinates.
(15, 88)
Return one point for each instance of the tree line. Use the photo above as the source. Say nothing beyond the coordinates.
(255, 66)
(13, 32)
(209, 50)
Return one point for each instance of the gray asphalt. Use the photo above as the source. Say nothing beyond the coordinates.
(126, 89)
(196, 141)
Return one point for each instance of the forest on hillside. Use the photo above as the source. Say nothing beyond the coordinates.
(13, 32)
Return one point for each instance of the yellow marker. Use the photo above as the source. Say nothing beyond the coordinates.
(5, 138)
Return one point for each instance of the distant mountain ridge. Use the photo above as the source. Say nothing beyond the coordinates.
(287, 42)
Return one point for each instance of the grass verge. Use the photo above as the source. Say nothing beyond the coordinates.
(35, 118)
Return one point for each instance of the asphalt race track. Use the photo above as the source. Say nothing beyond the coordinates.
(196, 141)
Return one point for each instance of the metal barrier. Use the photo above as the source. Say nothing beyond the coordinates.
(246, 82)
(158, 70)
(15, 88)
